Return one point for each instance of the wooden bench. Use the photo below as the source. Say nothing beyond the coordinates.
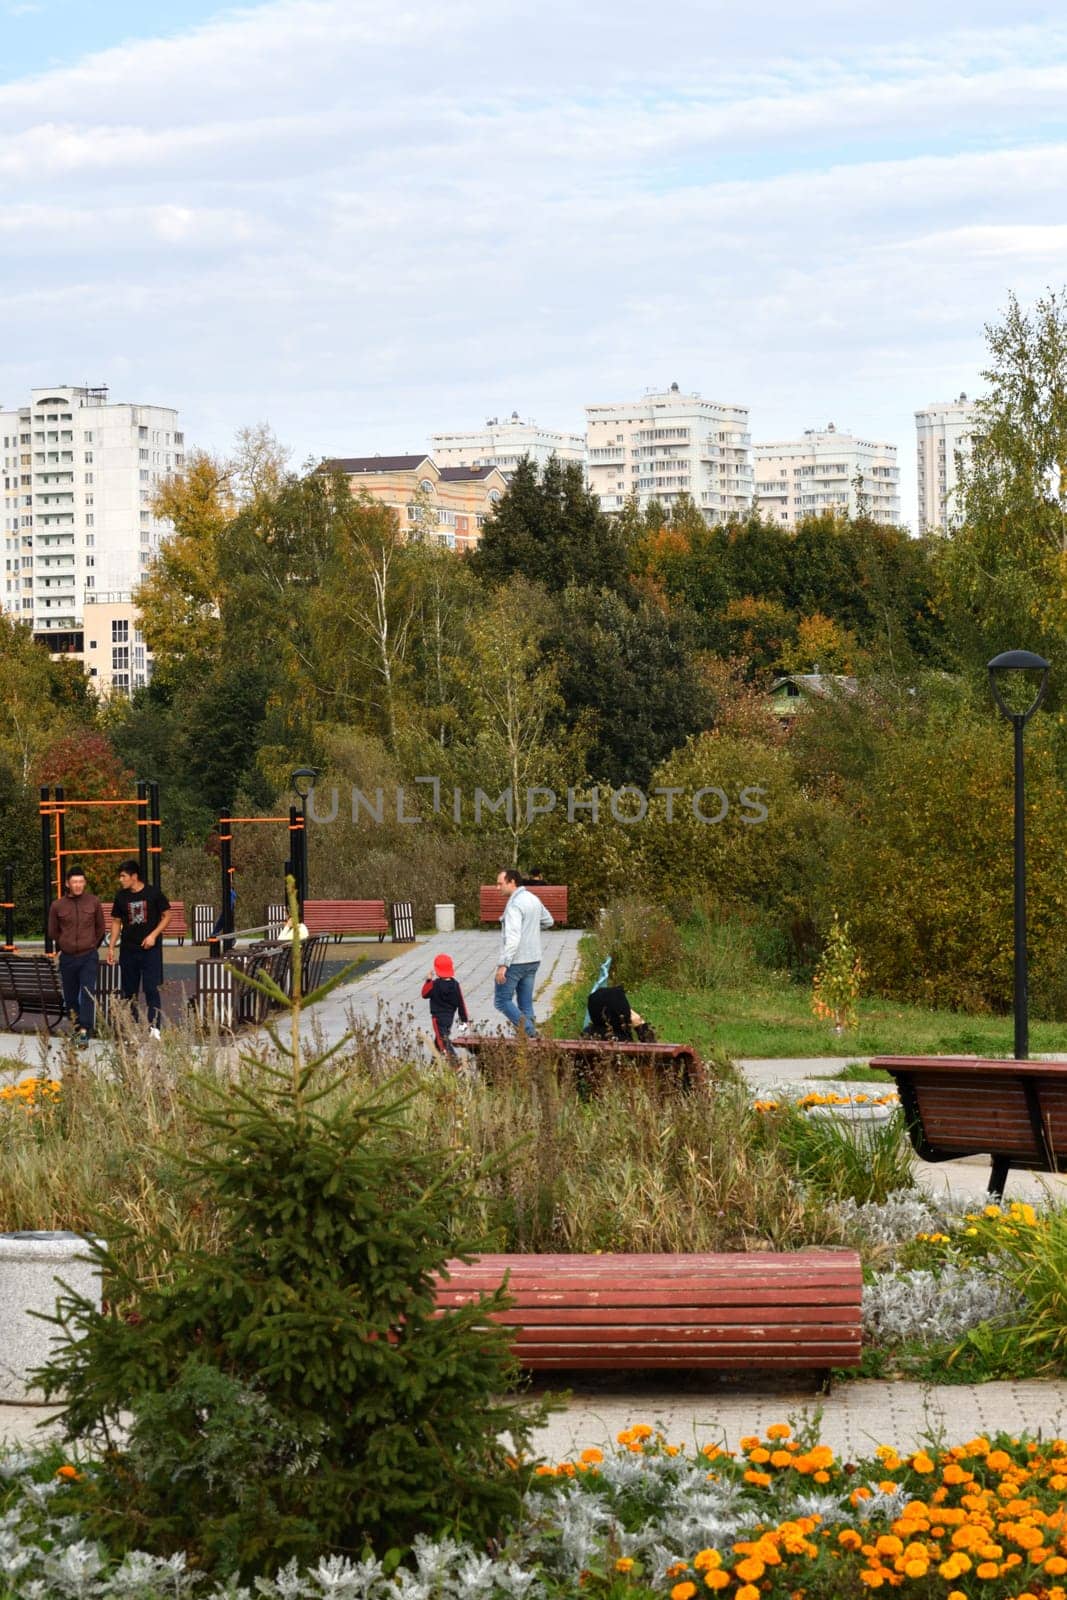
(491, 901)
(1013, 1111)
(661, 1064)
(346, 916)
(176, 928)
(754, 1309)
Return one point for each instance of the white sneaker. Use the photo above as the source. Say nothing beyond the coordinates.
(153, 1033)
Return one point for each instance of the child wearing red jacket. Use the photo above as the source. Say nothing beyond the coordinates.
(446, 999)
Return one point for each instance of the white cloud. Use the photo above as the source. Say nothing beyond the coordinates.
(387, 223)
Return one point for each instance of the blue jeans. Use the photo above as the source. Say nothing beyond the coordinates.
(142, 969)
(514, 997)
(78, 977)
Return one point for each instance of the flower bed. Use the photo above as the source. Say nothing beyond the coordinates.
(781, 1518)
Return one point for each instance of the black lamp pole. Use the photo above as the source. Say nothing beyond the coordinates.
(1019, 661)
(301, 781)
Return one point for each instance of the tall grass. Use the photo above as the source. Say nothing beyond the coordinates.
(629, 1169)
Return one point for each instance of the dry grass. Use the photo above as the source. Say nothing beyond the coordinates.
(629, 1169)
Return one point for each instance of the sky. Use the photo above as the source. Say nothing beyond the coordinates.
(364, 224)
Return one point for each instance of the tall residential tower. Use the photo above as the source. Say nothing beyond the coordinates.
(79, 475)
(941, 432)
(667, 445)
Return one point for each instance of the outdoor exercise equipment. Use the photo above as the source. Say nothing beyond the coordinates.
(8, 907)
(55, 855)
(296, 866)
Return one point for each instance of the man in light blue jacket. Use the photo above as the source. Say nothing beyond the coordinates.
(520, 952)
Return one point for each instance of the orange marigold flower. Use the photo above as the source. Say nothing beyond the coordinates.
(683, 1591)
(717, 1579)
(749, 1442)
(591, 1457)
(887, 1544)
(987, 1569)
(750, 1568)
(849, 1539)
(759, 1455)
(67, 1471)
(781, 1458)
(625, 1564)
(761, 1480)
(779, 1430)
(747, 1591)
(1055, 1566)
(915, 1568)
(872, 1578)
(921, 1463)
(705, 1560)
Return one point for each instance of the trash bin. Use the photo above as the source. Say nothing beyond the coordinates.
(444, 919)
(34, 1267)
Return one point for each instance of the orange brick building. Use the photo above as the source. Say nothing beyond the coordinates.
(448, 504)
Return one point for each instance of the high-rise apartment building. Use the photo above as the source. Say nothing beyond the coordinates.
(503, 442)
(942, 431)
(79, 475)
(667, 445)
(826, 471)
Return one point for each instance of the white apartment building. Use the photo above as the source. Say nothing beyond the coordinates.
(667, 445)
(503, 442)
(826, 471)
(78, 476)
(942, 431)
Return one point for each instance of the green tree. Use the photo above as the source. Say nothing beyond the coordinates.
(512, 742)
(1003, 572)
(298, 1392)
(549, 528)
(627, 673)
(39, 697)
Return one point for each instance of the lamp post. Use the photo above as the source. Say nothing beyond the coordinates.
(1008, 662)
(301, 782)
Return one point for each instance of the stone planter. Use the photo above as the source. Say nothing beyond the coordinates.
(33, 1269)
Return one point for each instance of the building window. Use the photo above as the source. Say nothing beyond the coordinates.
(120, 631)
(88, 458)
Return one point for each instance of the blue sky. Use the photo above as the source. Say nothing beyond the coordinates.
(364, 224)
(38, 35)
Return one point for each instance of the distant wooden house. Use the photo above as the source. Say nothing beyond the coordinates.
(790, 693)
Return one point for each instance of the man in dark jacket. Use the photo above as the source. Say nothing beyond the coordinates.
(446, 999)
(76, 927)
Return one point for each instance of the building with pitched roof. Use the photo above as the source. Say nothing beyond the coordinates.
(445, 504)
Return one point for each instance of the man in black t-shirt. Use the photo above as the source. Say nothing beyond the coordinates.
(139, 915)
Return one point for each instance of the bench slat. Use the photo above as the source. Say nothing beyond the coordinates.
(554, 896)
(798, 1310)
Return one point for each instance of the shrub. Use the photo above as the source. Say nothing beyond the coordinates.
(296, 1392)
(836, 984)
(843, 1158)
(641, 939)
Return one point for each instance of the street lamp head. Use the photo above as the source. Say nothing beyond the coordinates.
(302, 780)
(1017, 661)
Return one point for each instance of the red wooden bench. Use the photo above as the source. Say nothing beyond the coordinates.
(491, 900)
(659, 1064)
(754, 1309)
(1014, 1111)
(177, 927)
(346, 916)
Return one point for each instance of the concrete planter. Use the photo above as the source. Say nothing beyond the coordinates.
(445, 918)
(33, 1269)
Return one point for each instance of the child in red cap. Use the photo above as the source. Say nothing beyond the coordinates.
(446, 998)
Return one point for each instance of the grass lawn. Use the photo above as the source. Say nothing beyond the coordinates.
(773, 1018)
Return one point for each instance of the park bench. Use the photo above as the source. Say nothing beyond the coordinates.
(222, 998)
(346, 916)
(30, 986)
(955, 1106)
(749, 1309)
(659, 1064)
(176, 928)
(491, 901)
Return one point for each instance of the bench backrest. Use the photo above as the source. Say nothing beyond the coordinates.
(491, 900)
(176, 928)
(971, 1105)
(345, 916)
(30, 977)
